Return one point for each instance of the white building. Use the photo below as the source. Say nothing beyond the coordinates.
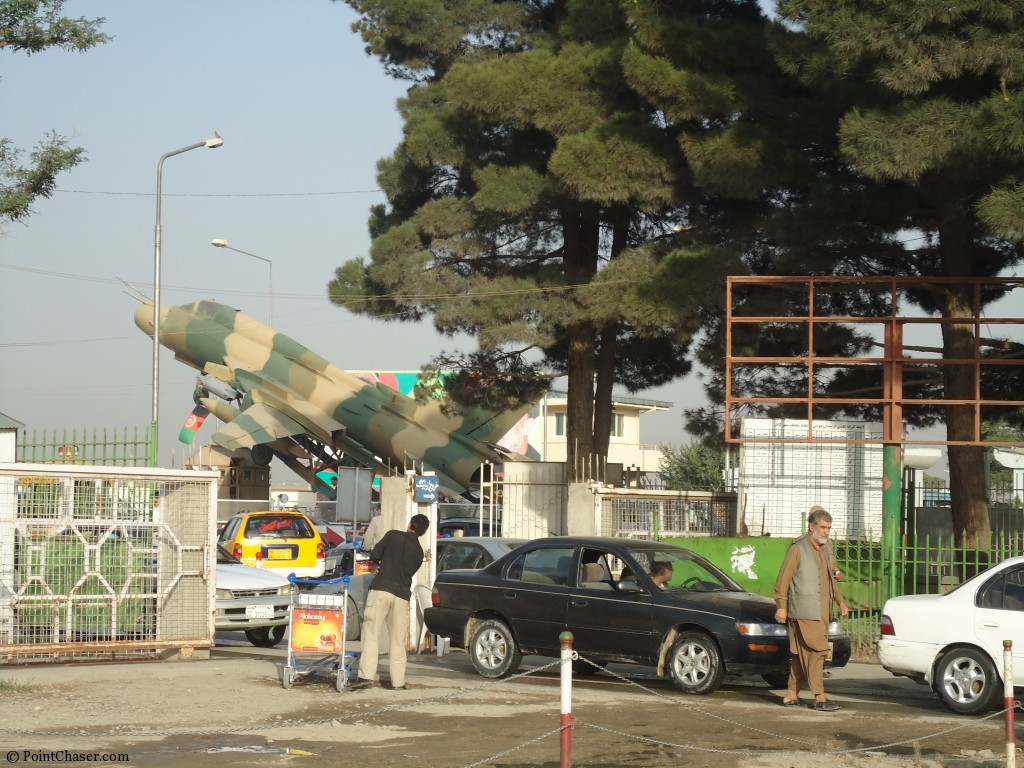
(9, 438)
(547, 437)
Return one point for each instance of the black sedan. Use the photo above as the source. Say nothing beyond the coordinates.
(624, 600)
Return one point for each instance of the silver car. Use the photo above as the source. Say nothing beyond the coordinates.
(251, 600)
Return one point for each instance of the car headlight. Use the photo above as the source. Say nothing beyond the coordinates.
(761, 629)
(288, 589)
(835, 628)
(225, 594)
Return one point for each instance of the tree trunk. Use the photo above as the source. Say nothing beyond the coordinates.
(580, 238)
(579, 428)
(604, 384)
(968, 494)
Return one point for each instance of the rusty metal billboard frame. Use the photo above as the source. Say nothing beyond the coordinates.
(892, 361)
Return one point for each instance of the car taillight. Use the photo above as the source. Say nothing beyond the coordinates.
(435, 597)
(887, 627)
(320, 554)
(237, 551)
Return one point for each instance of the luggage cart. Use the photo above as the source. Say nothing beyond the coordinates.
(316, 625)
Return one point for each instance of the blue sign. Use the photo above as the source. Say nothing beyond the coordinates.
(425, 488)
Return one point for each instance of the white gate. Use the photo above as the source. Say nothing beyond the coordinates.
(105, 562)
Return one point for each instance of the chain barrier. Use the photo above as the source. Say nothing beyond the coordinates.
(680, 703)
(509, 751)
(469, 690)
(776, 753)
(277, 724)
(832, 751)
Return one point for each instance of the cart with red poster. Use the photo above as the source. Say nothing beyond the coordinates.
(316, 637)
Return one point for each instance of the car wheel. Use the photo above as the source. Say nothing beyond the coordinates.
(353, 625)
(695, 663)
(266, 637)
(583, 667)
(777, 679)
(967, 682)
(493, 649)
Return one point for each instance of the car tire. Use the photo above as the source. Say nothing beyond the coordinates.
(695, 663)
(778, 680)
(493, 650)
(585, 668)
(353, 624)
(966, 681)
(266, 637)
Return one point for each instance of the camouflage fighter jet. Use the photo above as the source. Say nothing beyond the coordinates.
(309, 413)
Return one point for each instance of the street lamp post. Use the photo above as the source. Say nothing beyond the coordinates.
(213, 143)
(219, 242)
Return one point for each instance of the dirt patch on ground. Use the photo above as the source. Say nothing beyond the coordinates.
(228, 712)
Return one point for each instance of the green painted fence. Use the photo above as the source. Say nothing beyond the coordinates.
(927, 565)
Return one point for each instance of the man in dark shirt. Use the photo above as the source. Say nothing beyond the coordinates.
(398, 555)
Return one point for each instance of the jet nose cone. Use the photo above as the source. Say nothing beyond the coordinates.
(144, 318)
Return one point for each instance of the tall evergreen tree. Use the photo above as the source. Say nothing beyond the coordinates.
(936, 128)
(551, 151)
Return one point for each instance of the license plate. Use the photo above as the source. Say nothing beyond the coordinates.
(279, 554)
(259, 611)
(829, 657)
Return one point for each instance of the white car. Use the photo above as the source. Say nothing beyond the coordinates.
(252, 600)
(954, 642)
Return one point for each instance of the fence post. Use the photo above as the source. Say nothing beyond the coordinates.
(892, 459)
(565, 736)
(1008, 703)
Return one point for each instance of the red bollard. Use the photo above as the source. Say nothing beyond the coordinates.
(565, 737)
(1008, 703)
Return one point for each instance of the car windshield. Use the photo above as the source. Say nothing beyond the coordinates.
(677, 569)
(278, 527)
(224, 557)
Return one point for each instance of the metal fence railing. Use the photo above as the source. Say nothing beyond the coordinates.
(665, 514)
(127, 447)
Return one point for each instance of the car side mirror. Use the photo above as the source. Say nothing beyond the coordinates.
(628, 585)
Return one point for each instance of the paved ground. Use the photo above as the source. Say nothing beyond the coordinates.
(232, 710)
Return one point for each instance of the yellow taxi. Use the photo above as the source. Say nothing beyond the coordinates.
(287, 541)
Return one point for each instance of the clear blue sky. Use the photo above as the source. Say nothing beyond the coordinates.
(305, 114)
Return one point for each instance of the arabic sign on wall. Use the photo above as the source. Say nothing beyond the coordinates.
(425, 489)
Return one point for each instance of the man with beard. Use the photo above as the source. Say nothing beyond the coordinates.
(804, 593)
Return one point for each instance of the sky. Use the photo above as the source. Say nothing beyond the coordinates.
(305, 115)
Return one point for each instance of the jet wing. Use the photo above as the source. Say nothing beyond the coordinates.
(257, 425)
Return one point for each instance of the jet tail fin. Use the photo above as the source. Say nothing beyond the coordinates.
(491, 426)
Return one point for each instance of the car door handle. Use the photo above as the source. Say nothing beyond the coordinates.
(578, 603)
(509, 594)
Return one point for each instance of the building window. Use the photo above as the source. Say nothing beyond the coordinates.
(560, 425)
(618, 425)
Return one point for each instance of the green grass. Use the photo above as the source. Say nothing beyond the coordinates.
(6, 686)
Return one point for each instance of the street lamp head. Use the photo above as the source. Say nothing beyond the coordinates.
(219, 242)
(215, 142)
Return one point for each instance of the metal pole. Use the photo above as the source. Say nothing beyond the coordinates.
(892, 460)
(1008, 703)
(565, 737)
(155, 416)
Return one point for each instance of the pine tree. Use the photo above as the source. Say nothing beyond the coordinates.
(551, 152)
(935, 127)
